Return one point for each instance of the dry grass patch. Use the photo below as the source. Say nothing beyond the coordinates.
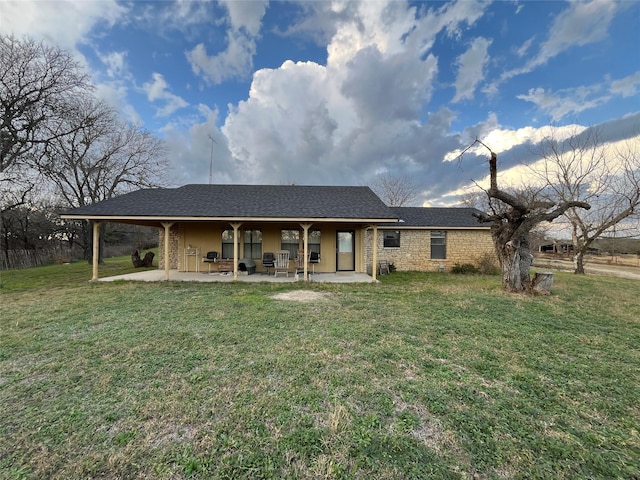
(305, 296)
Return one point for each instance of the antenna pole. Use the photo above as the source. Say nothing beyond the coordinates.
(211, 161)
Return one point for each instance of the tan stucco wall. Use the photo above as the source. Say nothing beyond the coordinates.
(414, 253)
(208, 237)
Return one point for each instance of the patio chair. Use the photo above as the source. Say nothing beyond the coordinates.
(314, 257)
(383, 267)
(268, 261)
(211, 257)
(281, 263)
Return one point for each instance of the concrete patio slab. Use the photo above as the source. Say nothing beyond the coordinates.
(176, 276)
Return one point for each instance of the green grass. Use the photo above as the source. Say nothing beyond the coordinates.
(422, 376)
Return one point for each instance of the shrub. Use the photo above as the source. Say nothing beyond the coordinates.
(465, 268)
(487, 265)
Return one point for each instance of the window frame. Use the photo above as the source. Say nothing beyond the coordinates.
(254, 245)
(227, 244)
(290, 246)
(438, 244)
(392, 241)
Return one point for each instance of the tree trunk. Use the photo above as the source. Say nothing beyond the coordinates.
(578, 262)
(515, 260)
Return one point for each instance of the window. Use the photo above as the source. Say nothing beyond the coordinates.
(438, 244)
(314, 241)
(227, 244)
(391, 238)
(290, 240)
(252, 244)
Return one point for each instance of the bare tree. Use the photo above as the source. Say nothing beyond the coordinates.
(36, 81)
(395, 191)
(512, 218)
(100, 156)
(585, 168)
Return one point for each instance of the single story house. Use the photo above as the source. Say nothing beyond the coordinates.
(336, 223)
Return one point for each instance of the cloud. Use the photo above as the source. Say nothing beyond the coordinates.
(64, 23)
(236, 61)
(558, 104)
(626, 87)
(360, 113)
(246, 15)
(194, 155)
(471, 68)
(580, 24)
(158, 91)
(115, 63)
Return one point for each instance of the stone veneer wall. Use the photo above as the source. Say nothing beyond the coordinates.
(174, 247)
(414, 253)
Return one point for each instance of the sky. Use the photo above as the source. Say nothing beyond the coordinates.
(337, 93)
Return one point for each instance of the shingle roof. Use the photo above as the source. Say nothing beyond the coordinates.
(243, 201)
(435, 217)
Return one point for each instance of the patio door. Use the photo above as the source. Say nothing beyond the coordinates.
(345, 251)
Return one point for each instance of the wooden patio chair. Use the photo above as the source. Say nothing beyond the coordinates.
(300, 262)
(281, 263)
(383, 267)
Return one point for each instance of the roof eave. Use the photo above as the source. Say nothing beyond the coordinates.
(148, 218)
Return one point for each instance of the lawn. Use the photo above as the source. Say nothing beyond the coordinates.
(421, 376)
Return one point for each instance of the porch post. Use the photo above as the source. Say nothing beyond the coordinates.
(374, 256)
(305, 243)
(167, 226)
(236, 227)
(96, 250)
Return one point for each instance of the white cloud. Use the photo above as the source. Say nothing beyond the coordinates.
(192, 152)
(65, 23)
(626, 87)
(580, 24)
(236, 61)
(361, 113)
(158, 91)
(246, 15)
(471, 68)
(115, 62)
(558, 104)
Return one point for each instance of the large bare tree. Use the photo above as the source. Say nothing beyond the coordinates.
(100, 156)
(395, 191)
(36, 82)
(512, 218)
(585, 168)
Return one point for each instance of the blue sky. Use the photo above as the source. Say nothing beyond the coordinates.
(338, 92)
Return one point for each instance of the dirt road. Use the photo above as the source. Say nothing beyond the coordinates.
(590, 268)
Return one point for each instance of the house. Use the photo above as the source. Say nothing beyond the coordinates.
(244, 221)
(432, 239)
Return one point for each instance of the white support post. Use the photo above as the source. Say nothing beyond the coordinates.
(96, 250)
(236, 227)
(167, 227)
(374, 256)
(305, 243)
